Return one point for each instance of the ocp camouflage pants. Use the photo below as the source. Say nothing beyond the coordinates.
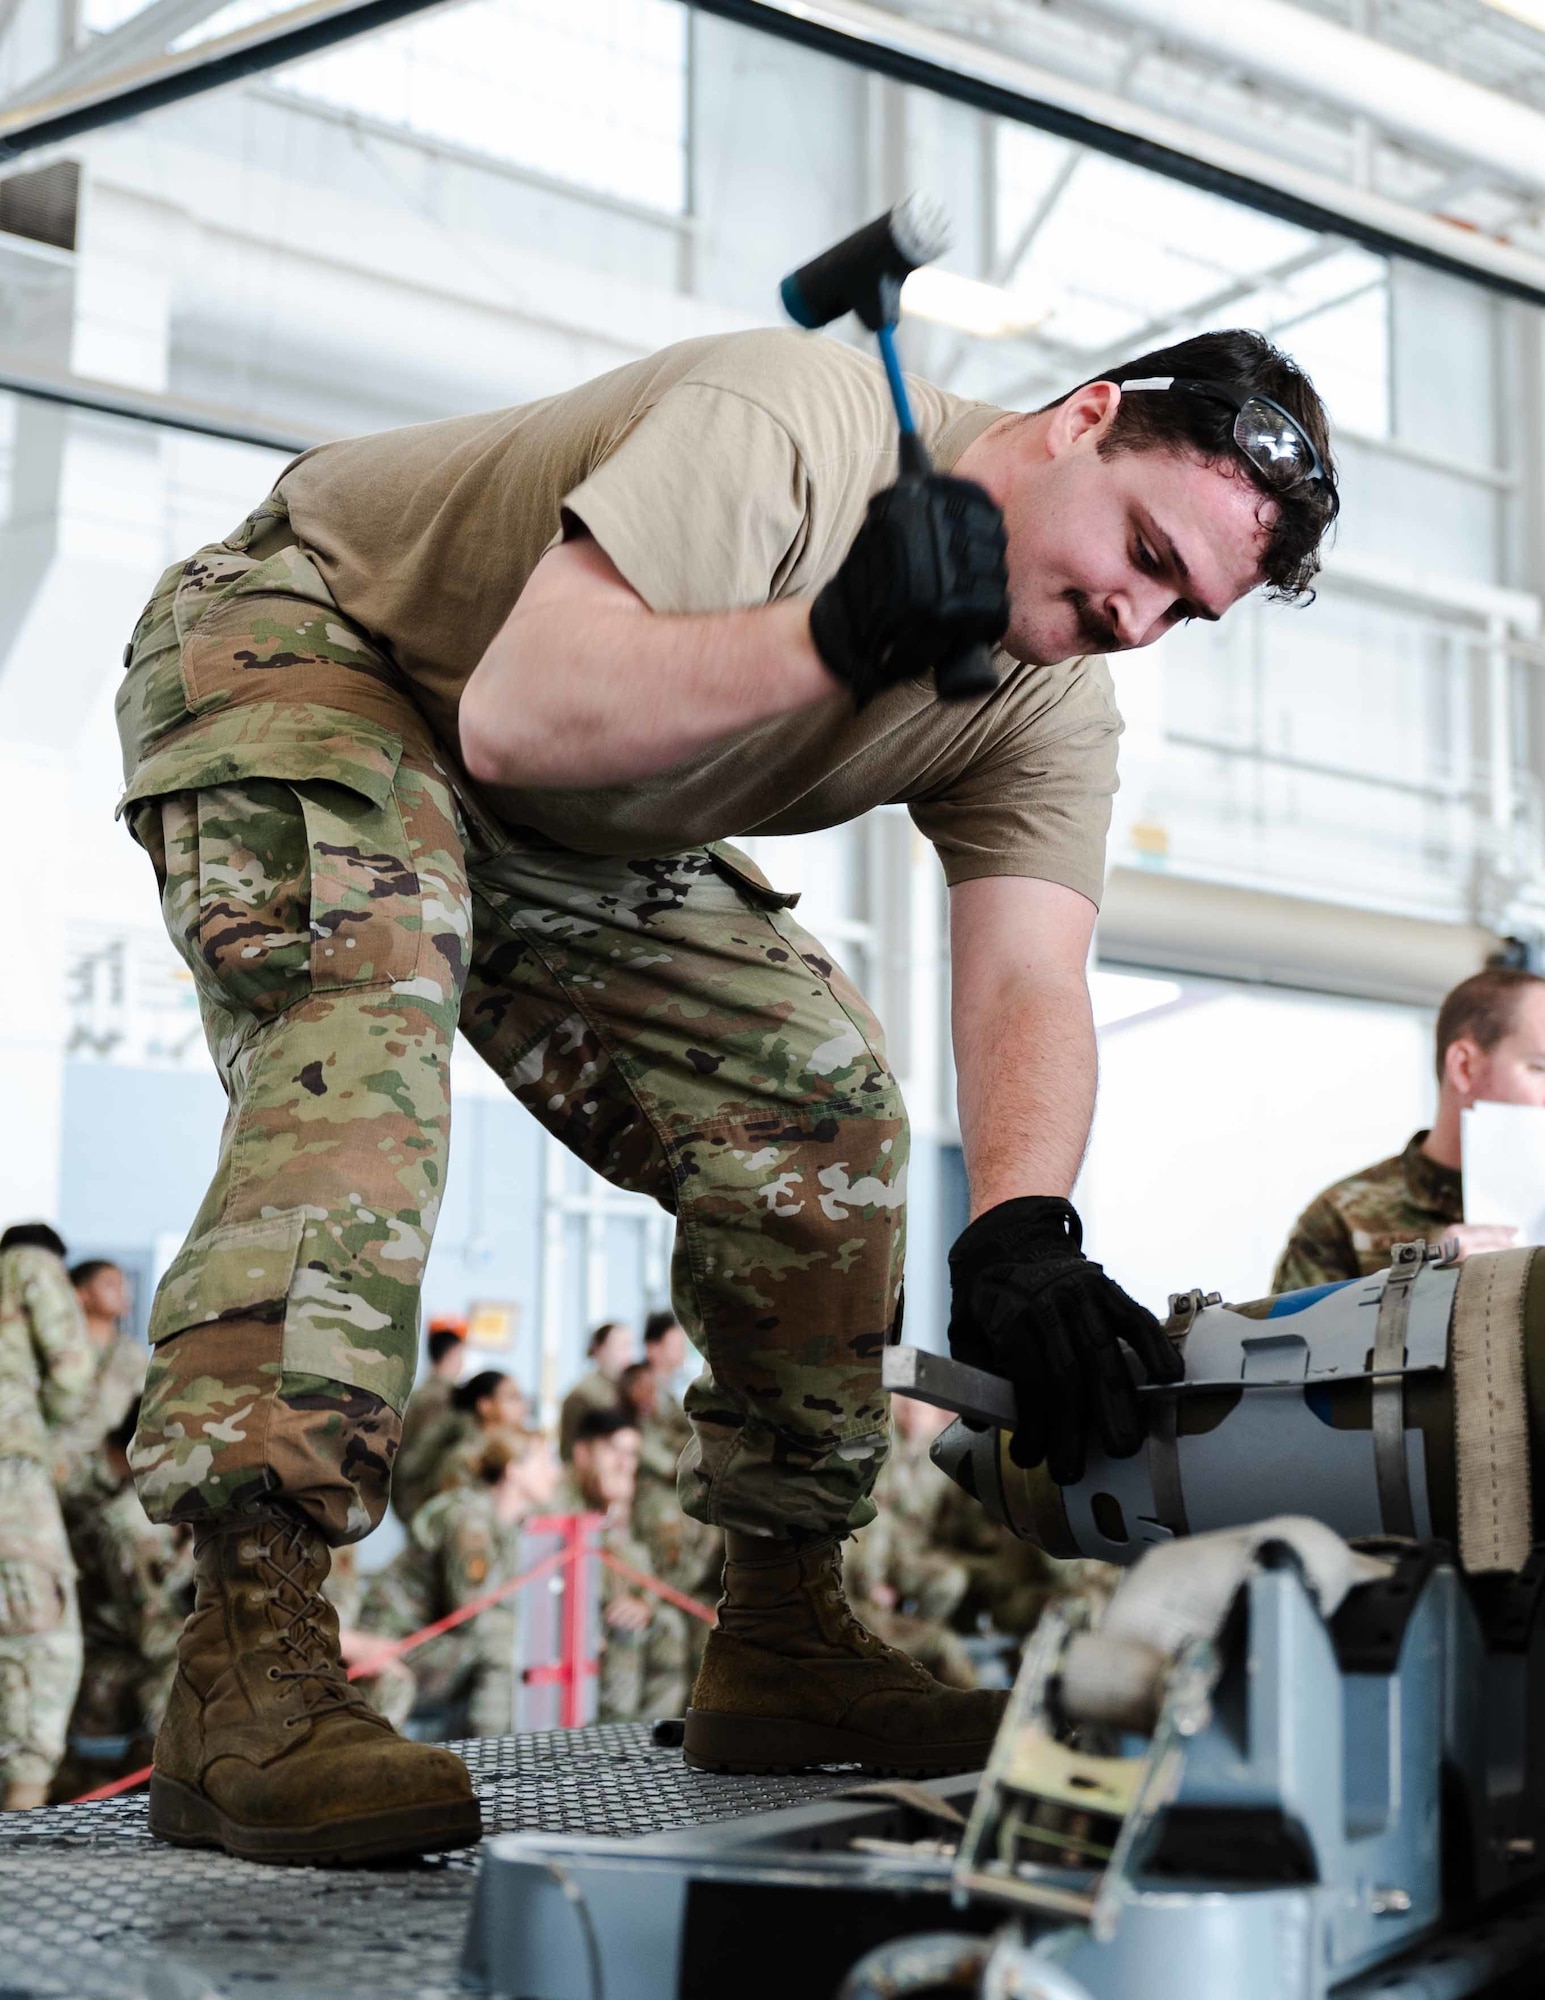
(342, 905)
(40, 1640)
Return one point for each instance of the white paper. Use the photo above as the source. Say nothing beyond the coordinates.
(1503, 1149)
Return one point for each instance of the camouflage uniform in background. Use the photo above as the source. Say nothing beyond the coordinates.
(47, 1365)
(457, 1549)
(900, 1550)
(593, 1391)
(646, 1674)
(120, 1380)
(393, 1691)
(136, 1588)
(1010, 1582)
(680, 1551)
(342, 902)
(1350, 1229)
(430, 1428)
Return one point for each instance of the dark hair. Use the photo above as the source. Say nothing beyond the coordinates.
(1481, 1009)
(502, 1449)
(467, 1395)
(1176, 422)
(636, 1371)
(92, 1267)
(33, 1236)
(603, 1424)
(441, 1340)
(601, 1335)
(122, 1434)
(657, 1326)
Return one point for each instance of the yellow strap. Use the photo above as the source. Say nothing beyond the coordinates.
(1491, 1412)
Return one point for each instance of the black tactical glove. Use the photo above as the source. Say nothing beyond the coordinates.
(1028, 1305)
(924, 581)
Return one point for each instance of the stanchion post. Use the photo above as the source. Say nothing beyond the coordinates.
(576, 1666)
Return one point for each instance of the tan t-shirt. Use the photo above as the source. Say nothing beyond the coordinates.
(721, 473)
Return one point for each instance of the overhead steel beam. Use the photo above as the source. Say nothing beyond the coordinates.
(1404, 95)
(888, 44)
(178, 413)
(1152, 333)
(150, 33)
(173, 75)
(1007, 86)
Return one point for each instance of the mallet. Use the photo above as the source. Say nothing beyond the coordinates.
(863, 274)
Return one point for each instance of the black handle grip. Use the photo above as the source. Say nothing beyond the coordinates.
(973, 673)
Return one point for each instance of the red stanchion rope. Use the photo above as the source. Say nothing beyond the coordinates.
(461, 1614)
(131, 1783)
(448, 1623)
(672, 1596)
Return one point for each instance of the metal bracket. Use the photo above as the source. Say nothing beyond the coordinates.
(1184, 1307)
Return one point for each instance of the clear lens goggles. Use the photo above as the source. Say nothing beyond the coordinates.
(1275, 443)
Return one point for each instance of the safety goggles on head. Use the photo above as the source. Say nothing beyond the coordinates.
(1275, 443)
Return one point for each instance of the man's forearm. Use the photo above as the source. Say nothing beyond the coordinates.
(1026, 1061)
(615, 691)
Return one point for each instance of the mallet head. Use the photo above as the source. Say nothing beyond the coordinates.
(864, 272)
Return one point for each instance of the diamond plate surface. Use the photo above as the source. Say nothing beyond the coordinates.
(91, 1908)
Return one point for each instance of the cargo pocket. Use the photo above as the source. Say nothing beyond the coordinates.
(310, 743)
(275, 622)
(293, 863)
(244, 1270)
(245, 1310)
(365, 919)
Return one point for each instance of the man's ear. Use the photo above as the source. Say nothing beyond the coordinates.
(1460, 1060)
(1085, 417)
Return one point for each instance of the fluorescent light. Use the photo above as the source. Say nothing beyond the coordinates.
(947, 299)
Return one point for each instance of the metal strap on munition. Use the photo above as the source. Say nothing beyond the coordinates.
(1389, 1390)
(1491, 1413)
(1164, 1426)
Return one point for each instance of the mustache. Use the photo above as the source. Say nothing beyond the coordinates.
(1097, 632)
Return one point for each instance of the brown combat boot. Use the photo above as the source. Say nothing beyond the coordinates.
(267, 1750)
(790, 1677)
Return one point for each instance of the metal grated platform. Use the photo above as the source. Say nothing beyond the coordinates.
(91, 1908)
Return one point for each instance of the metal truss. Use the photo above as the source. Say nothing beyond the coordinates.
(1076, 68)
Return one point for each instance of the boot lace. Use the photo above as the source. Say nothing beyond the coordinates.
(295, 1609)
(850, 1627)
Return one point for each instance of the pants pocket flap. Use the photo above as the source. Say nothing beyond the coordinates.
(229, 1270)
(294, 742)
(741, 870)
